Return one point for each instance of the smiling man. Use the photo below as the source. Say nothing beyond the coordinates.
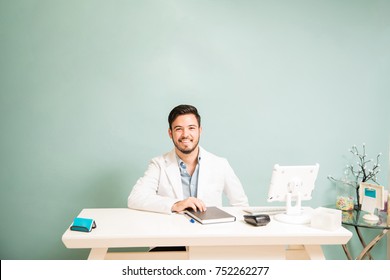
(188, 176)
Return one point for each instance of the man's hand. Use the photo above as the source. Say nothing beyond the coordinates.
(191, 202)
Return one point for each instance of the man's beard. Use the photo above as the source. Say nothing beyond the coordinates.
(186, 151)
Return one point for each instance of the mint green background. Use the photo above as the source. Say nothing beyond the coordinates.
(86, 87)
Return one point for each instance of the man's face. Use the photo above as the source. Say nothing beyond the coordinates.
(185, 133)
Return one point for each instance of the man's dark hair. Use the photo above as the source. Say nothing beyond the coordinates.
(182, 110)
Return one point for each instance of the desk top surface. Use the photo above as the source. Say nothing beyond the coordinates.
(123, 227)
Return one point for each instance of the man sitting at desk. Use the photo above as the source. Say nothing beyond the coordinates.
(188, 176)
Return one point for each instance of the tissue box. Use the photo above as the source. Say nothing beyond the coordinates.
(326, 218)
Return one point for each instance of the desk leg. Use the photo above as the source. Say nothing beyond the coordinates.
(304, 252)
(97, 253)
(346, 251)
(362, 242)
(371, 245)
(315, 252)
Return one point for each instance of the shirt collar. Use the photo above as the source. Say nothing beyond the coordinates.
(180, 162)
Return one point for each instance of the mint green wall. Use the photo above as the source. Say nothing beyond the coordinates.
(86, 86)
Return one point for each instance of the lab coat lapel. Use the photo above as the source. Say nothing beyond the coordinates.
(173, 174)
(204, 172)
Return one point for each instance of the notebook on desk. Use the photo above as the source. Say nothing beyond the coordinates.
(212, 215)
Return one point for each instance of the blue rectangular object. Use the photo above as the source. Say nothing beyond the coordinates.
(370, 193)
(83, 224)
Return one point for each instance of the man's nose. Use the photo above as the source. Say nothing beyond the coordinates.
(185, 132)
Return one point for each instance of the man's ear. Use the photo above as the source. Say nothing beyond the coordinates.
(170, 133)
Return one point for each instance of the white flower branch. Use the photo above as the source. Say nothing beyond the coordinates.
(361, 172)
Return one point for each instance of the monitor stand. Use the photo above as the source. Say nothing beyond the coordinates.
(295, 214)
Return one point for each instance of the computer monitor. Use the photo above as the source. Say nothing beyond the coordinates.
(292, 184)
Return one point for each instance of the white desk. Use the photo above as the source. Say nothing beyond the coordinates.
(125, 228)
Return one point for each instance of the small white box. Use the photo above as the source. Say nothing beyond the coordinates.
(326, 218)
